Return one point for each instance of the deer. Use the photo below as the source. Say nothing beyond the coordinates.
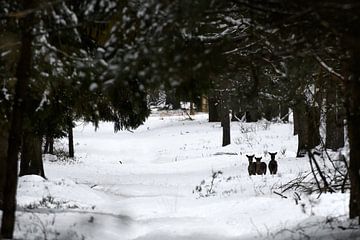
(252, 165)
(260, 166)
(273, 166)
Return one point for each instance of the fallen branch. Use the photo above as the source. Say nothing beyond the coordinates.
(282, 196)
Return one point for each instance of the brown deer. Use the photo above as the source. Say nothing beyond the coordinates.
(273, 166)
(252, 165)
(260, 166)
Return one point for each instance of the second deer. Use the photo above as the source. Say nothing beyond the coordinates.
(260, 166)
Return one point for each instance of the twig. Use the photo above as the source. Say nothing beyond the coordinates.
(313, 171)
(281, 195)
(190, 118)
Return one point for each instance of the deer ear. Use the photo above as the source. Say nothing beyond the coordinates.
(275, 153)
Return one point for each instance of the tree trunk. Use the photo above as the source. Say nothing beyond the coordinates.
(192, 110)
(213, 110)
(49, 145)
(352, 101)
(313, 118)
(23, 72)
(4, 136)
(46, 145)
(25, 155)
(71, 138)
(204, 106)
(296, 115)
(300, 125)
(225, 120)
(334, 117)
(308, 123)
(31, 157)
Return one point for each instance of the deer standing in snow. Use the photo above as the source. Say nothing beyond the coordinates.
(252, 165)
(273, 166)
(260, 166)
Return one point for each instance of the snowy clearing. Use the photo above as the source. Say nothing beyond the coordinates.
(156, 183)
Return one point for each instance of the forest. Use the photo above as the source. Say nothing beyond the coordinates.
(178, 102)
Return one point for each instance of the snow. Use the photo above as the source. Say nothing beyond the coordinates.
(142, 185)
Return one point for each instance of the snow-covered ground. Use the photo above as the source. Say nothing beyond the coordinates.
(156, 183)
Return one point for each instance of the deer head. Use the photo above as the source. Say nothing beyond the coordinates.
(258, 159)
(272, 155)
(250, 157)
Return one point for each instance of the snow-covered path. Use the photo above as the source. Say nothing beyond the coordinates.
(141, 185)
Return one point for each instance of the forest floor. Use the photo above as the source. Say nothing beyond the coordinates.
(171, 179)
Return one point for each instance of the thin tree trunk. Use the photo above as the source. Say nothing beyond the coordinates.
(71, 138)
(296, 115)
(23, 73)
(192, 110)
(213, 110)
(313, 118)
(51, 145)
(300, 125)
(225, 119)
(204, 106)
(46, 145)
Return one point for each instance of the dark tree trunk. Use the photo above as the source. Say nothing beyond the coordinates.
(308, 123)
(301, 129)
(71, 138)
(23, 72)
(204, 106)
(213, 110)
(225, 120)
(352, 98)
(25, 155)
(49, 145)
(296, 115)
(313, 118)
(4, 137)
(334, 117)
(31, 157)
(192, 109)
